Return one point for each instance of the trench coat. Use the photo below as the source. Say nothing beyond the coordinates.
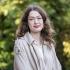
(29, 55)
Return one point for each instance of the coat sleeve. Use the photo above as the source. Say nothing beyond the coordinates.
(56, 59)
(21, 61)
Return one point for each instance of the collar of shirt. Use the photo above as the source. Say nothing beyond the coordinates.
(30, 40)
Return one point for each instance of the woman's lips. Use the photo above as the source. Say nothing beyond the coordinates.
(36, 26)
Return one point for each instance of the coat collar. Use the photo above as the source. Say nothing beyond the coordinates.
(28, 37)
(30, 40)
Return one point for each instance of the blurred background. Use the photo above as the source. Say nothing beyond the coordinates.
(10, 14)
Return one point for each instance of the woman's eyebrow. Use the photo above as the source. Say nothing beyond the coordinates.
(33, 16)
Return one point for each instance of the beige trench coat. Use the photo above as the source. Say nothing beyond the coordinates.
(28, 55)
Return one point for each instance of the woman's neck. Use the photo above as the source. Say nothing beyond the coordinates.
(36, 36)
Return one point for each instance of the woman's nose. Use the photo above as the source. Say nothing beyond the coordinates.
(36, 21)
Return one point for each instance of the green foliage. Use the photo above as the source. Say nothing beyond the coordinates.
(10, 13)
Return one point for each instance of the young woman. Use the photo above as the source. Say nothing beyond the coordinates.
(34, 47)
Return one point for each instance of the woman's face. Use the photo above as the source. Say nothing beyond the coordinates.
(35, 22)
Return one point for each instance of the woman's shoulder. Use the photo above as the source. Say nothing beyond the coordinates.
(18, 39)
(20, 42)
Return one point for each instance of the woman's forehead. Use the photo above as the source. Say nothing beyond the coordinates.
(34, 13)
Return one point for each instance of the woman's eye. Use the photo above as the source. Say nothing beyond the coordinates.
(39, 18)
(31, 19)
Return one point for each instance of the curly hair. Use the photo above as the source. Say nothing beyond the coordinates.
(47, 31)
